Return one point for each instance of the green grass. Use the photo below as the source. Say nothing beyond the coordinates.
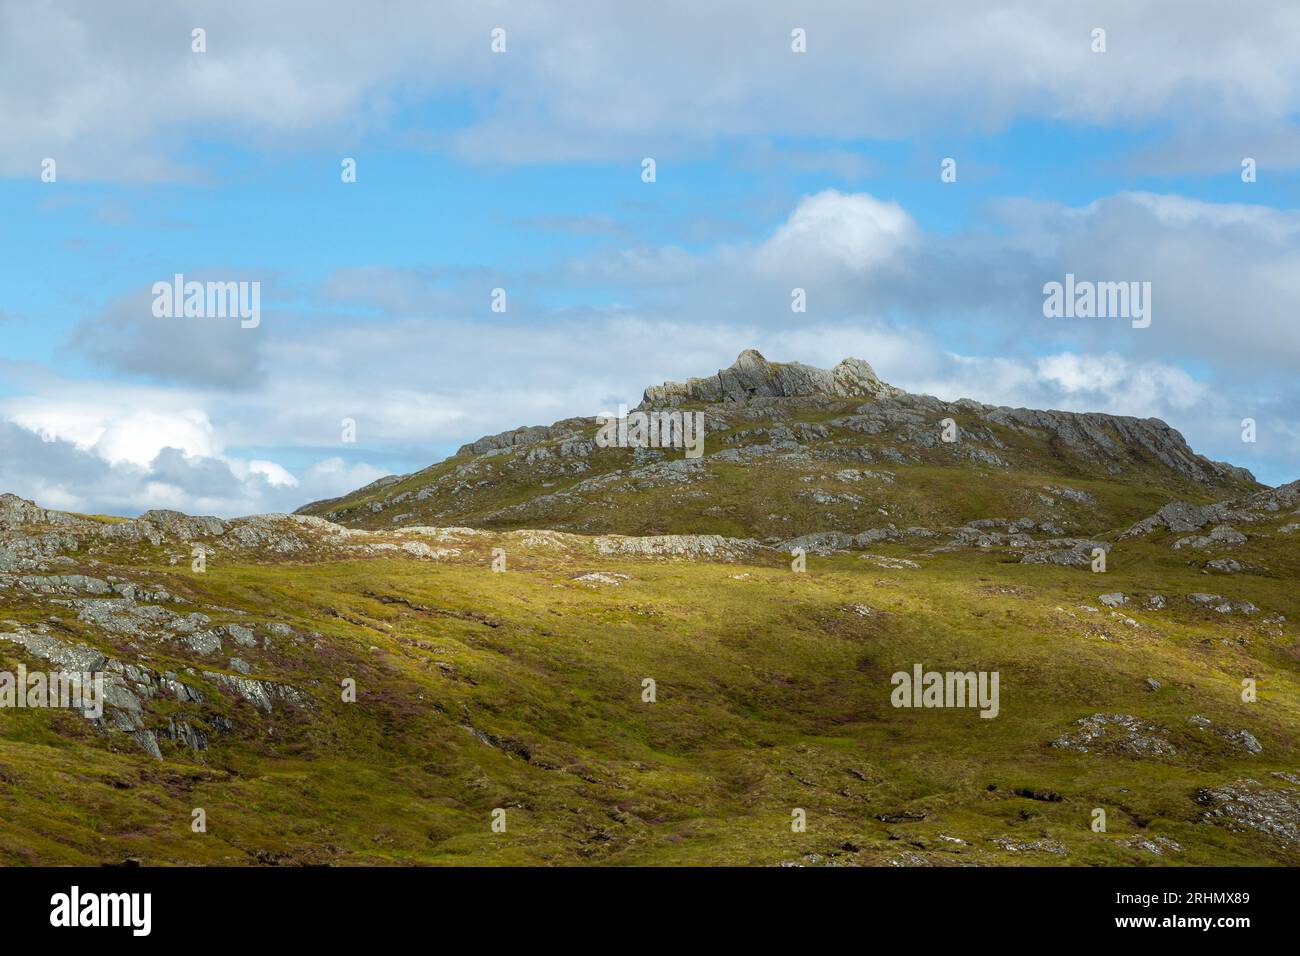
(771, 696)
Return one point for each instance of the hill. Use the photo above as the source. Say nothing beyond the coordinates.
(790, 450)
(385, 692)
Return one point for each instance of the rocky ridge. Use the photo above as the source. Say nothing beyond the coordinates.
(842, 430)
(752, 376)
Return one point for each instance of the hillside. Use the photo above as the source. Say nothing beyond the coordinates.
(522, 690)
(499, 615)
(791, 450)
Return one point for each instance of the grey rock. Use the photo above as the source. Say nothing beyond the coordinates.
(872, 535)
(1157, 845)
(1248, 803)
(752, 376)
(1239, 738)
(72, 657)
(1071, 494)
(1118, 734)
(676, 546)
(127, 687)
(1027, 846)
(1181, 517)
(1222, 536)
(203, 643)
(148, 742)
(819, 542)
(527, 435)
(243, 636)
(180, 731)
(64, 584)
(1067, 552)
(261, 694)
(1225, 566)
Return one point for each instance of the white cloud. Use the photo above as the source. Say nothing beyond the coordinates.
(832, 231)
(273, 473)
(127, 461)
(115, 431)
(139, 436)
(1224, 277)
(105, 87)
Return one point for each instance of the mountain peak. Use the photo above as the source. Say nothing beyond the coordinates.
(753, 376)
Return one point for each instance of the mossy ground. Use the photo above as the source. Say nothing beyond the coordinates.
(522, 691)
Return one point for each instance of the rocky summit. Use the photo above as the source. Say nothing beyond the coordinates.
(791, 450)
(752, 376)
(947, 632)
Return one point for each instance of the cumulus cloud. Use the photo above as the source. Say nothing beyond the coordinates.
(1223, 276)
(113, 427)
(832, 232)
(123, 462)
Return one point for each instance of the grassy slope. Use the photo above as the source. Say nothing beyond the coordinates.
(771, 695)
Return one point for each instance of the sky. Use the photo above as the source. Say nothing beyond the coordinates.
(523, 170)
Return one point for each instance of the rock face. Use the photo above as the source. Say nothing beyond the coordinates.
(1181, 517)
(1111, 436)
(753, 376)
(121, 627)
(130, 690)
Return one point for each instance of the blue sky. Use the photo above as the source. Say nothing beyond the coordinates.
(522, 171)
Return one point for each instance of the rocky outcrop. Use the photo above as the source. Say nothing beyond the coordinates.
(1115, 439)
(18, 512)
(752, 376)
(127, 687)
(1182, 517)
(1117, 734)
(1237, 738)
(527, 435)
(820, 542)
(676, 546)
(1246, 803)
(1067, 552)
(130, 688)
(1224, 535)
